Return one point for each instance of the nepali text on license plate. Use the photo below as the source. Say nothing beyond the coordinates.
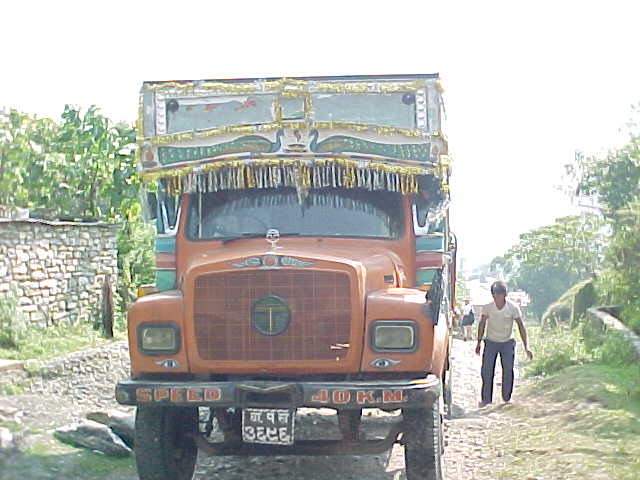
(271, 426)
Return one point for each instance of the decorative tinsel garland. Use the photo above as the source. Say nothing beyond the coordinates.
(288, 86)
(269, 127)
(302, 174)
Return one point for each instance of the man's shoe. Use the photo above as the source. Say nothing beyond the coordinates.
(483, 404)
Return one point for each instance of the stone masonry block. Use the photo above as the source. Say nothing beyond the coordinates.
(20, 269)
(36, 265)
(39, 275)
(50, 283)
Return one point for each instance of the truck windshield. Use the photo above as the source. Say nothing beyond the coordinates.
(325, 212)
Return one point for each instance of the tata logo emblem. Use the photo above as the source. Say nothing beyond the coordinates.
(273, 235)
(270, 315)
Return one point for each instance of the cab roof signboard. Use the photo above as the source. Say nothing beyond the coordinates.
(373, 132)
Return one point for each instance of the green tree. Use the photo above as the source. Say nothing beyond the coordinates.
(26, 159)
(614, 181)
(80, 167)
(98, 164)
(620, 283)
(462, 292)
(548, 260)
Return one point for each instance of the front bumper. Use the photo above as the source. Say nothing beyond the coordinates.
(418, 393)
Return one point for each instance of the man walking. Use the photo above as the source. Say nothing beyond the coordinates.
(498, 318)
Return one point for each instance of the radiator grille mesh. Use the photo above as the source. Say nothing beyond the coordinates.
(320, 304)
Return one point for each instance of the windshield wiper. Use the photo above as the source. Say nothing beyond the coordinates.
(256, 235)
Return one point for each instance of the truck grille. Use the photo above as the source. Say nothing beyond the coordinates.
(319, 302)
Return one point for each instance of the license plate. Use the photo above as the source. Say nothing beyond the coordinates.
(271, 426)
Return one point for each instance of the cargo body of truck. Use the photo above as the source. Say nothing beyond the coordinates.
(304, 259)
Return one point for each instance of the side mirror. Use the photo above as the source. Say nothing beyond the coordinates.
(422, 209)
(151, 206)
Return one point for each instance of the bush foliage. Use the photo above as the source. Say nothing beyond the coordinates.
(571, 305)
(12, 323)
(565, 346)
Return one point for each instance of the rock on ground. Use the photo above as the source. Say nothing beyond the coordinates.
(6, 439)
(121, 423)
(94, 436)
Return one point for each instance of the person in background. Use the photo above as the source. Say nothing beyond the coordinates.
(456, 316)
(468, 318)
(498, 319)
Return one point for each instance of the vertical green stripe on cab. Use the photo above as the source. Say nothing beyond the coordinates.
(165, 244)
(165, 280)
(424, 276)
(430, 243)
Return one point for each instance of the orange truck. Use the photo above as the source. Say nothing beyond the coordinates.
(304, 259)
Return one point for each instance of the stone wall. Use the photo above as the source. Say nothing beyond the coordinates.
(56, 270)
(611, 323)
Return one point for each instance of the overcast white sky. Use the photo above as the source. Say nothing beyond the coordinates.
(527, 82)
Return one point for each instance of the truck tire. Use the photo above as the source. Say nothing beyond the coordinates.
(424, 443)
(164, 446)
(447, 391)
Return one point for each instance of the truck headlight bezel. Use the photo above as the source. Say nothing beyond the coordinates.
(150, 326)
(399, 324)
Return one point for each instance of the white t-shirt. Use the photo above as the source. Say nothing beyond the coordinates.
(466, 309)
(500, 322)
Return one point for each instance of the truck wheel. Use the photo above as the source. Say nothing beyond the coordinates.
(423, 445)
(164, 446)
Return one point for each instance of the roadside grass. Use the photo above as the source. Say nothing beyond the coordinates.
(562, 347)
(49, 460)
(631, 317)
(583, 422)
(577, 417)
(12, 426)
(8, 389)
(45, 458)
(554, 349)
(40, 343)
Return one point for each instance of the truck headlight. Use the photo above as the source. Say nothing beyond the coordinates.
(158, 338)
(394, 335)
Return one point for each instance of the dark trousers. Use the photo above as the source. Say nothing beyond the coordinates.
(489, 356)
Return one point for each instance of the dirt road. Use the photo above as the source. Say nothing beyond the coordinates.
(469, 454)
(467, 435)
